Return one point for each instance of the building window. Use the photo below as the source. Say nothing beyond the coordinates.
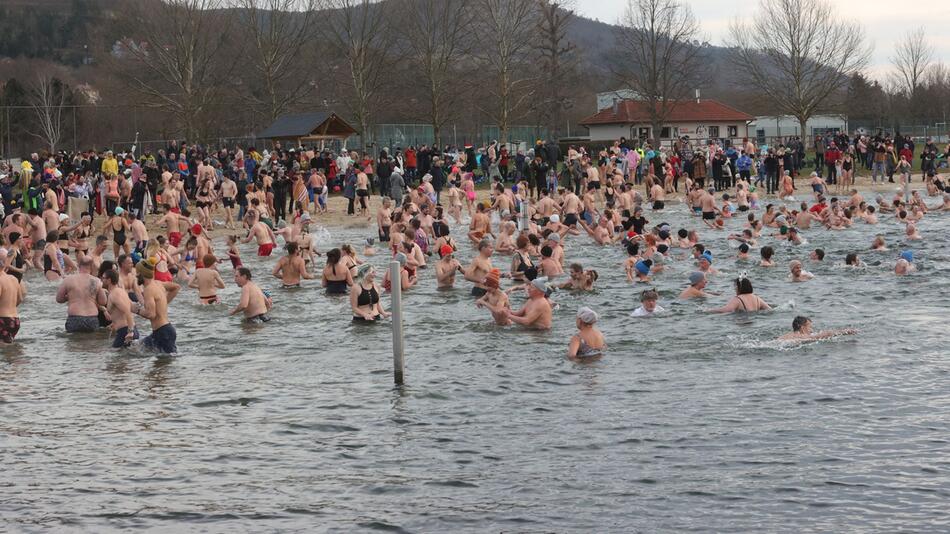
(643, 133)
(760, 136)
(714, 132)
(733, 131)
(665, 132)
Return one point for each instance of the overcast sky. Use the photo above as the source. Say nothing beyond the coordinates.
(884, 22)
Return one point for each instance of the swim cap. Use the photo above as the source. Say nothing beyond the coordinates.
(707, 256)
(664, 235)
(554, 236)
(555, 218)
(119, 211)
(196, 229)
(587, 315)
(908, 255)
(662, 248)
(696, 277)
(643, 267)
(541, 284)
(362, 270)
(631, 234)
(492, 278)
(63, 217)
(744, 248)
(446, 250)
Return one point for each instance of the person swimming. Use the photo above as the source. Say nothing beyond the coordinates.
(802, 331)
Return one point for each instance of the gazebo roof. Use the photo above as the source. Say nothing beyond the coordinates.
(315, 125)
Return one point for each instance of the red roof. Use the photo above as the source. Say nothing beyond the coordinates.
(635, 111)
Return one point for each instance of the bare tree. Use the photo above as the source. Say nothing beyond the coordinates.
(800, 54)
(912, 57)
(180, 45)
(435, 32)
(504, 42)
(663, 61)
(360, 33)
(278, 31)
(557, 58)
(47, 97)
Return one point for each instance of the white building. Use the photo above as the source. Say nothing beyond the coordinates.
(701, 120)
(767, 127)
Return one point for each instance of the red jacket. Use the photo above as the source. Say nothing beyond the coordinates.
(907, 153)
(832, 155)
(411, 159)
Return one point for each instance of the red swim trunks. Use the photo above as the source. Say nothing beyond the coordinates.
(175, 210)
(174, 238)
(265, 249)
(163, 276)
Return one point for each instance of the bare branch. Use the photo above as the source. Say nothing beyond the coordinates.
(505, 38)
(798, 54)
(663, 64)
(912, 58)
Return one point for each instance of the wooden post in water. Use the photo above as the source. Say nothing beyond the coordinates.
(395, 278)
(525, 220)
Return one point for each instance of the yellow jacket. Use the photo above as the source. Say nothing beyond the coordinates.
(110, 166)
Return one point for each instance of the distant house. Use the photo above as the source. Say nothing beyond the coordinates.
(699, 119)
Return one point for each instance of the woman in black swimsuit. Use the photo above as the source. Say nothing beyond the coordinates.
(203, 200)
(336, 277)
(364, 297)
(522, 267)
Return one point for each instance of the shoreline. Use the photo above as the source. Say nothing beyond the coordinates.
(336, 218)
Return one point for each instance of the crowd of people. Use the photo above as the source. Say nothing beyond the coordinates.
(80, 220)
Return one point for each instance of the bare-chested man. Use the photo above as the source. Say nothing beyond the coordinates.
(658, 196)
(480, 227)
(254, 303)
(83, 294)
(384, 220)
(536, 312)
(156, 296)
(570, 208)
(173, 221)
(139, 235)
(128, 279)
(207, 280)
(119, 310)
(480, 267)
(228, 195)
(446, 267)
(38, 237)
(495, 299)
(12, 293)
(708, 204)
(265, 238)
(291, 268)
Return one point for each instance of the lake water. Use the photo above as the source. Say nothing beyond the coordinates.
(691, 422)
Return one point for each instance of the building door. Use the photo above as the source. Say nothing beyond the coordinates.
(760, 136)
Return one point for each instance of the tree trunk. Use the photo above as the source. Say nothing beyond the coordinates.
(801, 123)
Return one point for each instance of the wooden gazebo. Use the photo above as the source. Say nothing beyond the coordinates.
(313, 127)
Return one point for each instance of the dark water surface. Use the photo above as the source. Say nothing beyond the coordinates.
(691, 422)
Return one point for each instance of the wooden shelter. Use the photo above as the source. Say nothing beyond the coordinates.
(320, 126)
